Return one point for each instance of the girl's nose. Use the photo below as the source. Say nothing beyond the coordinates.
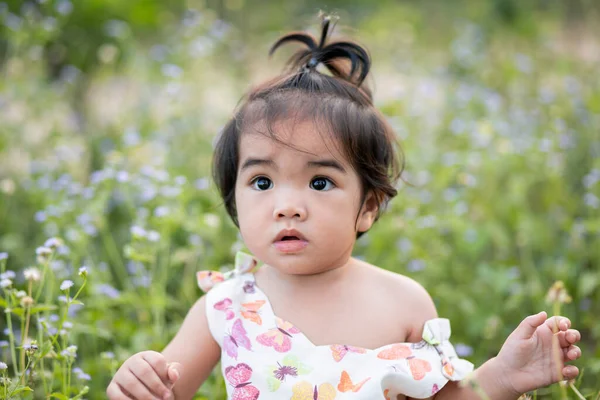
(290, 208)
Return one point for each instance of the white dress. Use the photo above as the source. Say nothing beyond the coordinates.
(264, 357)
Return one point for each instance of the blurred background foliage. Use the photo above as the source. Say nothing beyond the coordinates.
(108, 110)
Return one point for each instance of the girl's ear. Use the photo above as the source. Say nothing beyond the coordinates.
(368, 213)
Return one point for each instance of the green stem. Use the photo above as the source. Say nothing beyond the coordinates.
(81, 393)
(4, 383)
(65, 369)
(66, 361)
(25, 337)
(161, 273)
(45, 267)
(42, 367)
(556, 353)
(25, 332)
(40, 336)
(21, 377)
(69, 378)
(22, 350)
(77, 294)
(11, 339)
(113, 252)
(572, 386)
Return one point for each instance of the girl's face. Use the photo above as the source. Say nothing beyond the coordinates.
(297, 206)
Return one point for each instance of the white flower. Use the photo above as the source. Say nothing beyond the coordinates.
(53, 243)
(43, 251)
(591, 200)
(3, 255)
(84, 377)
(70, 351)
(153, 236)
(83, 271)
(8, 275)
(138, 231)
(21, 294)
(122, 176)
(30, 346)
(32, 274)
(81, 375)
(66, 284)
(212, 220)
(161, 211)
(463, 350)
(4, 283)
(3, 366)
(27, 301)
(202, 183)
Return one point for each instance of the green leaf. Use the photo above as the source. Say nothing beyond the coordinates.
(59, 396)
(588, 283)
(43, 307)
(18, 311)
(22, 389)
(94, 330)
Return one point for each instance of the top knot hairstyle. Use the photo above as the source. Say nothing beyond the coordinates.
(328, 55)
(339, 104)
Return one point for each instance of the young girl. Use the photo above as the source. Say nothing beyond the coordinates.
(305, 167)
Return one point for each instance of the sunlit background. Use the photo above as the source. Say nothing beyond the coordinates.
(108, 110)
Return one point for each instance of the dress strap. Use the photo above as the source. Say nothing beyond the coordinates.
(436, 332)
(244, 263)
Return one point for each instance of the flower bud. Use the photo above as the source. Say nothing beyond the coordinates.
(27, 301)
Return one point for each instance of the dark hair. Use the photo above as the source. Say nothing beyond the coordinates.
(341, 102)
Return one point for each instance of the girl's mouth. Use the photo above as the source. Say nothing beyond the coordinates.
(290, 241)
(290, 244)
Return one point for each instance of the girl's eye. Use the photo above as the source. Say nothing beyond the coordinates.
(321, 184)
(261, 183)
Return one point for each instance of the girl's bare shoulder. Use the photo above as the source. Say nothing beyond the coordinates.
(402, 295)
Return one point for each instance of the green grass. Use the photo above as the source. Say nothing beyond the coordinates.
(500, 126)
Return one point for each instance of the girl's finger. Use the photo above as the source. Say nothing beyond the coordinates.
(129, 395)
(147, 375)
(568, 337)
(572, 353)
(572, 336)
(174, 371)
(570, 372)
(528, 326)
(558, 323)
(115, 392)
(134, 386)
(157, 362)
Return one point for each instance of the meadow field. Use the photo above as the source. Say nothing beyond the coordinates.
(108, 112)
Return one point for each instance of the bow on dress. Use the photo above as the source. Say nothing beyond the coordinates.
(420, 378)
(244, 263)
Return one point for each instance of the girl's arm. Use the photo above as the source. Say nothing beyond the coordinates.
(533, 356)
(195, 349)
(487, 383)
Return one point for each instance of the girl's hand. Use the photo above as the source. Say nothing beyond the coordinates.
(144, 376)
(535, 353)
